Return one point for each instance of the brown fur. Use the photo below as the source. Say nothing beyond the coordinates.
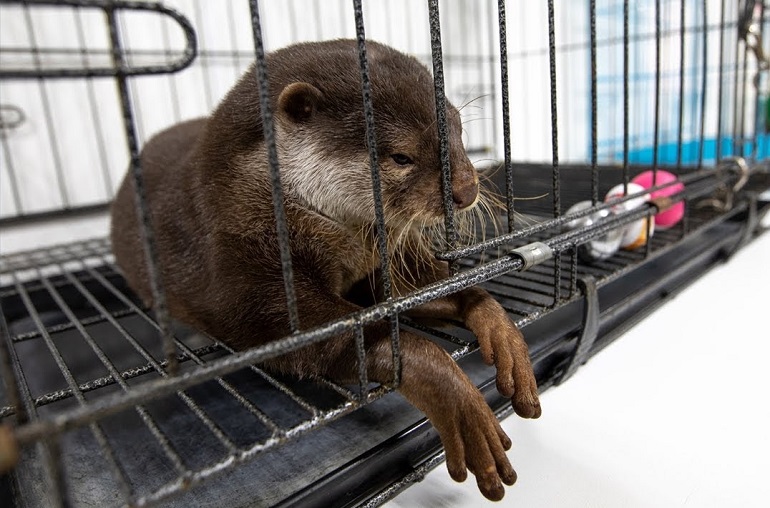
(210, 202)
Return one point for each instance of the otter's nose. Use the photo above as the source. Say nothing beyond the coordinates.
(465, 196)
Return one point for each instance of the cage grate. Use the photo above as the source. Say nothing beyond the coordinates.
(100, 386)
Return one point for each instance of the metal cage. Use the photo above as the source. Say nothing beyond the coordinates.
(108, 403)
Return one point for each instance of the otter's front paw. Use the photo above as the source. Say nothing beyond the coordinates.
(502, 345)
(475, 442)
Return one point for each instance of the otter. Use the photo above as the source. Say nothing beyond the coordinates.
(209, 199)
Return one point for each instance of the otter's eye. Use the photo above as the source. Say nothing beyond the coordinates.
(401, 159)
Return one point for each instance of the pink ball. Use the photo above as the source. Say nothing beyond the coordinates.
(663, 220)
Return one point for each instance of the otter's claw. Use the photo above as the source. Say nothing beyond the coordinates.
(475, 442)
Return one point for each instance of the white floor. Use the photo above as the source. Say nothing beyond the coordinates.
(674, 413)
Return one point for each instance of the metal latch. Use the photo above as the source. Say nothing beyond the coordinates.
(533, 254)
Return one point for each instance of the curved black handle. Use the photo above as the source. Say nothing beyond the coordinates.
(118, 67)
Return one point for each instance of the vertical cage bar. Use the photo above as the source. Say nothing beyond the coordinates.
(140, 202)
(681, 86)
(363, 381)
(744, 98)
(371, 141)
(625, 98)
(509, 201)
(275, 177)
(594, 109)
(721, 79)
(736, 68)
(573, 269)
(556, 278)
(656, 129)
(441, 121)
(704, 80)
(554, 119)
(758, 113)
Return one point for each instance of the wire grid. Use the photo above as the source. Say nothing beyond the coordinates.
(41, 289)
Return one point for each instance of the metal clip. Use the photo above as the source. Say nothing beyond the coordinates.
(533, 254)
(724, 196)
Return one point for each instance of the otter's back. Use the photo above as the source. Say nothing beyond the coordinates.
(166, 161)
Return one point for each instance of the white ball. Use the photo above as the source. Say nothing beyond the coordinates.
(598, 248)
(634, 234)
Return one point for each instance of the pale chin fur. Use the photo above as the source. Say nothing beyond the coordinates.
(311, 174)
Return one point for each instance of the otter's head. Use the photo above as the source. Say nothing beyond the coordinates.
(322, 134)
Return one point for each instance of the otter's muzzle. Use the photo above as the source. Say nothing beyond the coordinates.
(465, 183)
(465, 196)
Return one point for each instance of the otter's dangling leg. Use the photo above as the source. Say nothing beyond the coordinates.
(430, 380)
(500, 341)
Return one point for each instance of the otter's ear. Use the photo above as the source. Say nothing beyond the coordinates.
(299, 101)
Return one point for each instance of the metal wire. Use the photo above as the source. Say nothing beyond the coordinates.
(744, 98)
(441, 123)
(104, 381)
(142, 211)
(737, 138)
(594, 109)
(625, 97)
(98, 433)
(554, 119)
(382, 238)
(681, 87)
(74, 388)
(721, 79)
(275, 177)
(528, 295)
(12, 389)
(704, 81)
(656, 129)
(509, 196)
